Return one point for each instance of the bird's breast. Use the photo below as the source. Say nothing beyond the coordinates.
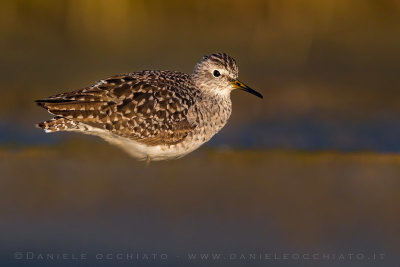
(210, 115)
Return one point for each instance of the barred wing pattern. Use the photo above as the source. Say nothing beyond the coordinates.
(149, 107)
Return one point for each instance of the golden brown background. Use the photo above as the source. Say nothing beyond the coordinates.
(312, 167)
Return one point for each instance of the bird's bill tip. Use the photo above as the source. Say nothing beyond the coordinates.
(239, 85)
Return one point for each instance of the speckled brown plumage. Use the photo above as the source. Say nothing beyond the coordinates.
(149, 107)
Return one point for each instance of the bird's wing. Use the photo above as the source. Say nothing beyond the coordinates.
(138, 106)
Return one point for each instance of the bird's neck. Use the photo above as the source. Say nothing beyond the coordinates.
(216, 108)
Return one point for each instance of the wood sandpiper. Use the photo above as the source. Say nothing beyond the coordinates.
(152, 115)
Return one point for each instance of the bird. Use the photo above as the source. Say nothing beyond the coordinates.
(152, 114)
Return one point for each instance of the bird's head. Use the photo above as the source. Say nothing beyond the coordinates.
(218, 74)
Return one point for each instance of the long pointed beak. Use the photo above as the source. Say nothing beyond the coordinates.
(239, 85)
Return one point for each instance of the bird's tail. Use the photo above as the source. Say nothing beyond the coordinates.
(57, 124)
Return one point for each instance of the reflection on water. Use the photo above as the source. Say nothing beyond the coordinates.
(90, 197)
(308, 133)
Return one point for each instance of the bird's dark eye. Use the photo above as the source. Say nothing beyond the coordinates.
(216, 73)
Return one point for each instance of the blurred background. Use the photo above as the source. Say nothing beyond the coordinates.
(314, 167)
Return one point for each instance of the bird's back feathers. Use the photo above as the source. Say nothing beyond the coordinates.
(149, 107)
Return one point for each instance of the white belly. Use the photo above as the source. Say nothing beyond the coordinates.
(142, 151)
(158, 152)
